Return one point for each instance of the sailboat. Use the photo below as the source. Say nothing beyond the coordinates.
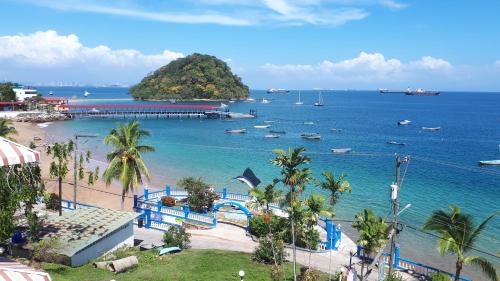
(320, 100)
(299, 102)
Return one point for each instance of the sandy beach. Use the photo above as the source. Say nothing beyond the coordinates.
(96, 195)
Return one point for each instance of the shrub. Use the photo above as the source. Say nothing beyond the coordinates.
(46, 250)
(276, 273)
(176, 237)
(201, 197)
(393, 277)
(168, 201)
(264, 251)
(259, 227)
(51, 201)
(440, 276)
(308, 274)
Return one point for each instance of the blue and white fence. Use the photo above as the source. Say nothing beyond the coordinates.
(406, 264)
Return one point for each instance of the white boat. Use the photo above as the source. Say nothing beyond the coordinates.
(404, 122)
(299, 102)
(336, 130)
(311, 136)
(86, 94)
(250, 99)
(490, 163)
(261, 126)
(51, 93)
(232, 101)
(396, 143)
(272, 136)
(266, 101)
(94, 110)
(173, 101)
(277, 91)
(341, 150)
(236, 131)
(223, 105)
(308, 123)
(431, 128)
(320, 100)
(268, 121)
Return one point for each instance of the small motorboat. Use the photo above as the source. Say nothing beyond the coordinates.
(94, 110)
(250, 99)
(261, 126)
(404, 122)
(396, 143)
(51, 93)
(311, 136)
(232, 101)
(341, 150)
(272, 136)
(336, 130)
(308, 123)
(431, 128)
(268, 121)
(223, 105)
(277, 132)
(236, 131)
(86, 94)
(172, 101)
(265, 101)
(490, 163)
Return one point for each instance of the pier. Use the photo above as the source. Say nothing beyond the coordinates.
(147, 111)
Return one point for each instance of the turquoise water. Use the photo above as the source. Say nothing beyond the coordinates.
(443, 169)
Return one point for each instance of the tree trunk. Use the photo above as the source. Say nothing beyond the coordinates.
(362, 270)
(459, 266)
(60, 196)
(293, 238)
(123, 200)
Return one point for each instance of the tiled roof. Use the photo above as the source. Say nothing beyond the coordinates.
(78, 229)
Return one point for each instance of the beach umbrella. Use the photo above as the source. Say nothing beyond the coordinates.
(249, 178)
(12, 153)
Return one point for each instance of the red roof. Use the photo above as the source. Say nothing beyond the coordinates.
(11, 103)
(54, 99)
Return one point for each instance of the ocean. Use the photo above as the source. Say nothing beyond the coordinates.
(443, 167)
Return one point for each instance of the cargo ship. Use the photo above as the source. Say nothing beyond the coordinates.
(278, 91)
(421, 92)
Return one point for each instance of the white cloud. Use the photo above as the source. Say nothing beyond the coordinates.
(393, 4)
(65, 57)
(497, 63)
(431, 63)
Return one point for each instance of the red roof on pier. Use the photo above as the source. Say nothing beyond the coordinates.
(141, 106)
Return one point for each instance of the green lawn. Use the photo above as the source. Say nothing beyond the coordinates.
(188, 265)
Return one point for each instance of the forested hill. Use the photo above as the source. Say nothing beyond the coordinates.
(196, 76)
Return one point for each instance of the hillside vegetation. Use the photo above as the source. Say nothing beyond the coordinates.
(194, 77)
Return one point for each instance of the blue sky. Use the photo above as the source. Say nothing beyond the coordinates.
(364, 44)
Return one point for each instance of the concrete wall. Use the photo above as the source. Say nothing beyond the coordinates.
(122, 237)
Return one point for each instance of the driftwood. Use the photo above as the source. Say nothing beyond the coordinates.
(101, 264)
(121, 265)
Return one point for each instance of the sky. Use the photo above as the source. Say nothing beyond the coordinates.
(294, 44)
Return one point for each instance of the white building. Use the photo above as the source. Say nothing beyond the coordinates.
(22, 93)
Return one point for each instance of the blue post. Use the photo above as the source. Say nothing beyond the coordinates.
(159, 205)
(135, 201)
(148, 218)
(328, 226)
(146, 193)
(215, 217)
(396, 256)
(339, 234)
(224, 193)
(358, 251)
(185, 207)
(167, 190)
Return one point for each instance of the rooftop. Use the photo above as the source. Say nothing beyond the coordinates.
(78, 229)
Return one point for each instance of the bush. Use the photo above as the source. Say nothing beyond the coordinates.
(440, 276)
(393, 277)
(259, 227)
(264, 251)
(51, 201)
(176, 237)
(201, 197)
(308, 274)
(168, 201)
(276, 273)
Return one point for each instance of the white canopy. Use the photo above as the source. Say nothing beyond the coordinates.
(12, 153)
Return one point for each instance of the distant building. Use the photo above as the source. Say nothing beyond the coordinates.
(87, 233)
(55, 102)
(12, 106)
(25, 93)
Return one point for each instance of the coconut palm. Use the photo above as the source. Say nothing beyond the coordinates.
(336, 186)
(294, 177)
(373, 233)
(458, 235)
(265, 197)
(125, 161)
(6, 129)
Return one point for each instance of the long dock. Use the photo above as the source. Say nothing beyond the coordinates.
(152, 111)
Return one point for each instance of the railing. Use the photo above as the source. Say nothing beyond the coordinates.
(70, 205)
(407, 264)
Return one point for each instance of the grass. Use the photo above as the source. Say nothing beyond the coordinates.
(189, 265)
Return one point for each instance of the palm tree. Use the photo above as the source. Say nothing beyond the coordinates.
(373, 232)
(336, 186)
(294, 177)
(125, 161)
(315, 209)
(6, 129)
(458, 234)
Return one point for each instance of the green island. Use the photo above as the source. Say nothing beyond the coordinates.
(196, 76)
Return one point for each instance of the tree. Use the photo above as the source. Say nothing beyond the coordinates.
(201, 197)
(265, 197)
(177, 237)
(336, 186)
(61, 156)
(315, 208)
(373, 232)
(458, 235)
(7, 91)
(125, 161)
(6, 129)
(294, 177)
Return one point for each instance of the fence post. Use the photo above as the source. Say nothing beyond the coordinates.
(158, 205)
(396, 257)
(224, 193)
(328, 226)
(185, 207)
(135, 201)
(167, 190)
(358, 251)
(146, 193)
(215, 218)
(148, 217)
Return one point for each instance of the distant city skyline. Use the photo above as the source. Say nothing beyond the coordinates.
(295, 44)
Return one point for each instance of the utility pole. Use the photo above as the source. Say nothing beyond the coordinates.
(395, 207)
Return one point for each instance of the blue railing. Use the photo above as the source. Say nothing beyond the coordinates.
(407, 264)
(70, 205)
